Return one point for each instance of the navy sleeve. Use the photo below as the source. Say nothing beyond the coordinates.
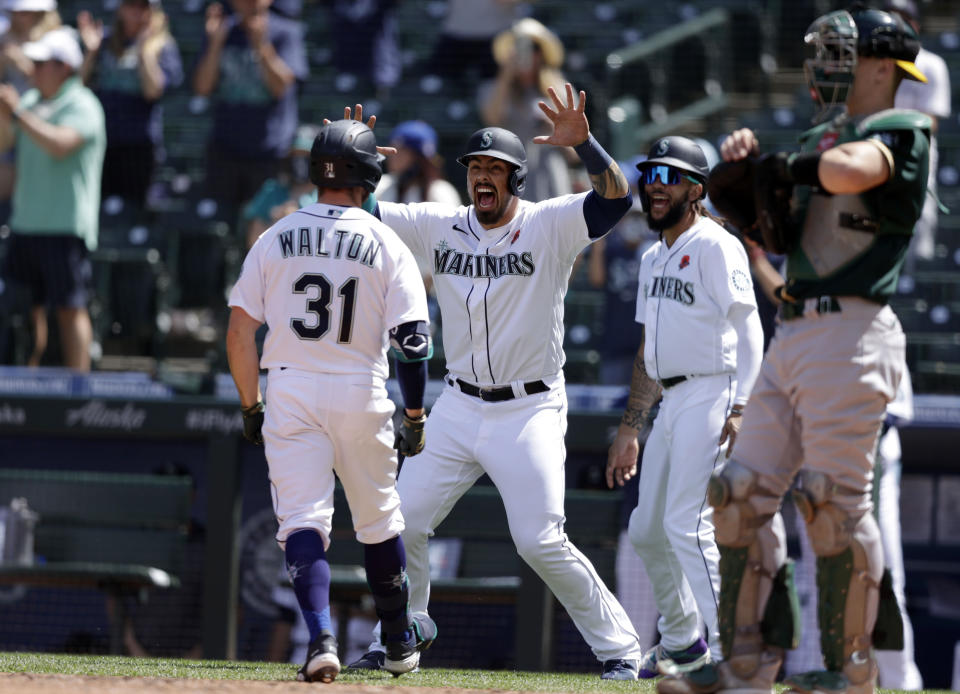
(601, 214)
(412, 378)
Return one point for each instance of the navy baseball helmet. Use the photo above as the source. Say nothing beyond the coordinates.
(679, 152)
(500, 144)
(344, 155)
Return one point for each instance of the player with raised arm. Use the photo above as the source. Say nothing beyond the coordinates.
(500, 268)
(336, 288)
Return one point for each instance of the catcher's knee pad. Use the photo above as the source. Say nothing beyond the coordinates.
(849, 569)
(750, 559)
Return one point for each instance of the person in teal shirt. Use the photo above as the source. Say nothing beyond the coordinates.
(58, 130)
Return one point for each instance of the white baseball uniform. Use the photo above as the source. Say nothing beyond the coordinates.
(329, 282)
(688, 293)
(501, 298)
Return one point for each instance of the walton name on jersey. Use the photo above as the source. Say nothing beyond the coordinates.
(671, 288)
(313, 241)
(447, 261)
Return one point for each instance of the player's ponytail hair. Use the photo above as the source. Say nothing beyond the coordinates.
(702, 211)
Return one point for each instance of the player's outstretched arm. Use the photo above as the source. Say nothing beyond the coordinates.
(644, 392)
(571, 129)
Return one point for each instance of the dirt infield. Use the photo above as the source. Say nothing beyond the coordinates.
(26, 683)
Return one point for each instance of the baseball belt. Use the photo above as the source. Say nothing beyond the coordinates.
(499, 393)
(671, 381)
(817, 304)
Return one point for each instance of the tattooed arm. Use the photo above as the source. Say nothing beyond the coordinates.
(644, 392)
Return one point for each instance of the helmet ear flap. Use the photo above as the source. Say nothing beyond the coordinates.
(518, 181)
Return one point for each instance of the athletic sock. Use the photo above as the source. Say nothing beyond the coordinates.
(386, 564)
(310, 574)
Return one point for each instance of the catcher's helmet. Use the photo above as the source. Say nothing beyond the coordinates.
(839, 37)
(344, 155)
(500, 144)
(680, 153)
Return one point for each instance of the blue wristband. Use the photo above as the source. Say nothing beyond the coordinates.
(594, 157)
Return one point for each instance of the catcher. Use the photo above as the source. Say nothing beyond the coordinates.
(843, 210)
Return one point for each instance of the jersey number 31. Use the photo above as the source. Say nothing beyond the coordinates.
(320, 307)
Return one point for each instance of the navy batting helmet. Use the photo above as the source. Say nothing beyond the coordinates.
(500, 144)
(344, 155)
(679, 152)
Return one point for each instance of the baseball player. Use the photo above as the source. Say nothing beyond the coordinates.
(500, 270)
(701, 345)
(853, 194)
(331, 281)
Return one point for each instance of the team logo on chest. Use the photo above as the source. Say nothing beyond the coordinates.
(672, 288)
(828, 140)
(448, 261)
(684, 261)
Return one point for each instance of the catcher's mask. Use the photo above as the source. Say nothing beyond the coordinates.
(670, 159)
(839, 37)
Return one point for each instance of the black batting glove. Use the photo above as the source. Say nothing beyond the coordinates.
(410, 437)
(253, 423)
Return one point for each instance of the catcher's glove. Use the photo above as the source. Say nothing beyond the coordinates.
(253, 423)
(773, 188)
(730, 187)
(410, 437)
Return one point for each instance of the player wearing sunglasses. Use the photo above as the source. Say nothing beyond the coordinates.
(700, 348)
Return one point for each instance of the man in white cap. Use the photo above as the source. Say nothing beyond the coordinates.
(58, 130)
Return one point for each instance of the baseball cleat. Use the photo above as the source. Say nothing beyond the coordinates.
(322, 664)
(660, 661)
(403, 656)
(619, 669)
(371, 660)
(721, 678)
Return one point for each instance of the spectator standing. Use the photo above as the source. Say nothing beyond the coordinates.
(529, 57)
(468, 28)
(415, 172)
(251, 61)
(58, 128)
(29, 20)
(129, 67)
(932, 98)
(366, 45)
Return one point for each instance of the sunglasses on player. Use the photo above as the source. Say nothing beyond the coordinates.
(668, 175)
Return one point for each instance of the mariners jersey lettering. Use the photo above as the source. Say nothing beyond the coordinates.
(329, 282)
(497, 288)
(686, 293)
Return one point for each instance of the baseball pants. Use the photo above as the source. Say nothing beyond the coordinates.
(318, 424)
(520, 445)
(672, 526)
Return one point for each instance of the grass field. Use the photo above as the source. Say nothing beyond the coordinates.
(122, 667)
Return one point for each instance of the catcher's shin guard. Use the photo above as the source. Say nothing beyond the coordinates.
(752, 552)
(849, 572)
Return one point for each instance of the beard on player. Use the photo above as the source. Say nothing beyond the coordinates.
(671, 217)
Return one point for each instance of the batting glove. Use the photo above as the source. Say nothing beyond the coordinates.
(410, 437)
(253, 423)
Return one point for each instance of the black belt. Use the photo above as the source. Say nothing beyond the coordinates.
(672, 381)
(500, 393)
(824, 304)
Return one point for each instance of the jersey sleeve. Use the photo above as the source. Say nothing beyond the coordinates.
(406, 298)
(726, 276)
(562, 218)
(898, 202)
(249, 291)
